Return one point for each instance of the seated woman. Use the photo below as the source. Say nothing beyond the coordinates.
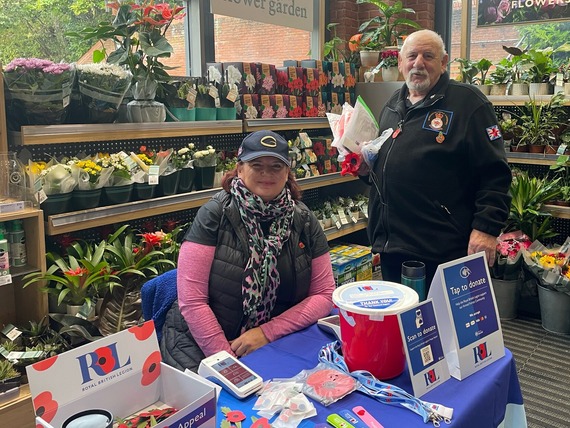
(255, 264)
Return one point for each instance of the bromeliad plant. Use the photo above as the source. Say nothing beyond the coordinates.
(77, 277)
(134, 259)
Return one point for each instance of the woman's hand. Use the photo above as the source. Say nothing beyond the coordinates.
(248, 342)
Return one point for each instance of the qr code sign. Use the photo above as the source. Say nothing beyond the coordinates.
(427, 355)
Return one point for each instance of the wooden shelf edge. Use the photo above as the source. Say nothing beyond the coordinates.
(80, 220)
(62, 134)
(21, 214)
(19, 411)
(558, 211)
(286, 124)
(519, 100)
(531, 159)
(75, 133)
(333, 233)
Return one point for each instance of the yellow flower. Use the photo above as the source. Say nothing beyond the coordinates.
(145, 158)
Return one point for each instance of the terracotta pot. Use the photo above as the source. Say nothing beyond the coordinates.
(551, 150)
(536, 148)
(519, 149)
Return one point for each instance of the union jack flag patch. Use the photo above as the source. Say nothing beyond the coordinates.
(493, 132)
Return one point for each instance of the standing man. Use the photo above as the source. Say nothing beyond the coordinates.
(440, 183)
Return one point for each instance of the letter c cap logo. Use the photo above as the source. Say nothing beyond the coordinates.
(269, 141)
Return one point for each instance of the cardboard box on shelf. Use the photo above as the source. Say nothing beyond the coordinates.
(123, 374)
(351, 262)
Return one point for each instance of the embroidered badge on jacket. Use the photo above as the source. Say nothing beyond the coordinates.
(438, 121)
(493, 132)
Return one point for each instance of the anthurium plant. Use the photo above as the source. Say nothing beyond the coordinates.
(138, 31)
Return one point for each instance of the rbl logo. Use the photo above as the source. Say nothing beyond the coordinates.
(480, 352)
(101, 362)
(430, 377)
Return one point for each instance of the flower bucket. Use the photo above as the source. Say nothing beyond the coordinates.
(554, 310)
(168, 184)
(507, 295)
(102, 106)
(369, 326)
(204, 177)
(56, 204)
(85, 199)
(117, 194)
(206, 113)
(25, 107)
(180, 114)
(226, 113)
(143, 191)
(186, 182)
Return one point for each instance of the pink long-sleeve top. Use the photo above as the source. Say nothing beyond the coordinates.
(194, 264)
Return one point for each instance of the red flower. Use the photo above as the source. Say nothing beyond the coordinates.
(105, 359)
(40, 366)
(235, 416)
(45, 406)
(351, 164)
(319, 148)
(76, 272)
(261, 423)
(143, 331)
(151, 368)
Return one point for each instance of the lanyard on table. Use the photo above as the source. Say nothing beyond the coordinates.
(384, 392)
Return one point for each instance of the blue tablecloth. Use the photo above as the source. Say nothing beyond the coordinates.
(489, 398)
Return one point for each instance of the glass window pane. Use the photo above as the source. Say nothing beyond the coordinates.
(247, 41)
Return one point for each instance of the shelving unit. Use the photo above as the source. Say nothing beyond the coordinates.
(18, 304)
(81, 220)
(519, 100)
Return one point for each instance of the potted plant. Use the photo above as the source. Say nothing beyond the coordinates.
(507, 272)
(383, 30)
(205, 162)
(134, 258)
(540, 71)
(180, 100)
(389, 65)
(500, 77)
(9, 377)
(539, 121)
(78, 277)
(205, 101)
(529, 195)
(511, 132)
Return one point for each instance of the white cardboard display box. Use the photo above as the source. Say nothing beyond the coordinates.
(122, 373)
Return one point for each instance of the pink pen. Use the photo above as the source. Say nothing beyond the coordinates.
(366, 417)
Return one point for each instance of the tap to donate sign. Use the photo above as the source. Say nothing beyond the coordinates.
(287, 13)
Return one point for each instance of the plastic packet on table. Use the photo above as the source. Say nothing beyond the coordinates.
(326, 384)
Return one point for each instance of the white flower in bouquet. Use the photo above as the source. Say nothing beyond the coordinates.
(233, 75)
(121, 174)
(207, 157)
(214, 75)
(102, 76)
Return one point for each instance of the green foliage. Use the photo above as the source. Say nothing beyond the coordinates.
(385, 28)
(78, 276)
(538, 121)
(7, 370)
(545, 35)
(332, 49)
(529, 194)
(36, 28)
(502, 73)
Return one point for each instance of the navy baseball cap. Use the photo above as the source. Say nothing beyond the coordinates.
(264, 143)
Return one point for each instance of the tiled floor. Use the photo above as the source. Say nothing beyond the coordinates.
(543, 365)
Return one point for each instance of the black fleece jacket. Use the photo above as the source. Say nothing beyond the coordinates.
(440, 175)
